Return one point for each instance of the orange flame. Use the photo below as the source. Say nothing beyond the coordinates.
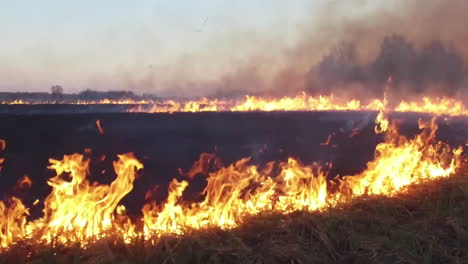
(443, 105)
(23, 183)
(241, 189)
(201, 166)
(80, 102)
(2, 145)
(300, 102)
(98, 124)
(304, 102)
(13, 221)
(77, 210)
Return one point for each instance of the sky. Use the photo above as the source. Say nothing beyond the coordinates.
(198, 47)
(95, 44)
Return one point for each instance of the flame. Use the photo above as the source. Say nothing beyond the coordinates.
(79, 102)
(242, 189)
(400, 162)
(172, 106)
(381, 123)
(110, 101)
(200, 166)
(16, 101)
(2, 145)
(100, 129)
(13, 221)
(442, 105)
(304, 102)
(75, 210)
(79, 211)
(300, 102)
(23, 183)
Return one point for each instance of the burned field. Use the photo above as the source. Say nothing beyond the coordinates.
(340, 143)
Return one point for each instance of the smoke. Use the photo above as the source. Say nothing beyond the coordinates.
(420, 44)
(350, 49)
(435, 69)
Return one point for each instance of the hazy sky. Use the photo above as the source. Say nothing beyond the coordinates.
(193, 47)
(91, 44)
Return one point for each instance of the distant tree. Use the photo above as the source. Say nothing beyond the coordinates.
(397, 58)
(439, 63)
(340, 66)
(112, 95)
(57, 92)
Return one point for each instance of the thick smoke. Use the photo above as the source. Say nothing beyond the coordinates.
(435, 68)
(353, 47)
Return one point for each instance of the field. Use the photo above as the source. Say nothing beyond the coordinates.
(426, 224)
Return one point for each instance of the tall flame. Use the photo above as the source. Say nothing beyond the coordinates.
(75, 210)
(78, 209)
(13, 221)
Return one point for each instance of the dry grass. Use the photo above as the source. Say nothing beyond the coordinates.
(427, 224)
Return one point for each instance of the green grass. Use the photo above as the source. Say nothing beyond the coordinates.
(426, 224)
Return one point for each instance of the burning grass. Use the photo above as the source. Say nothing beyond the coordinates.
(299, 102)
(305, 102)
(423, 224)
(267, 206)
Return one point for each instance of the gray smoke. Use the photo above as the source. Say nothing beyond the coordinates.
(435, 68)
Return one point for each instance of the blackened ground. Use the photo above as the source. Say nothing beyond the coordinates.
(166, 142)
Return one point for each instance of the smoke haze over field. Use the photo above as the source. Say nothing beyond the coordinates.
(228, 49)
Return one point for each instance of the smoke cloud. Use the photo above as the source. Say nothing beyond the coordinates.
(352, 48)
(436, 68)
(420, 44)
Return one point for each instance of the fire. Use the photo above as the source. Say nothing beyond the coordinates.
(13, 221)
(2, 145)
(172, 106)
(443, 105)
(304, 102)
(300, 102)
(79, 211)
(79, 102)
(109, 101)
(400, 162)
(23, 183)
(100, 129)
(242, 189)
(381, 123)
(16, 101)
(238, 190)
(76, 210)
